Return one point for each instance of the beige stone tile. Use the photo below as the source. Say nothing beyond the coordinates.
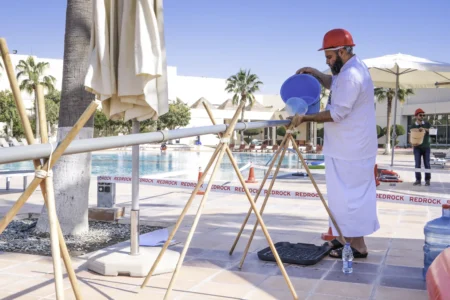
(20, 257)
(344, 289)
(6, 279)
(8, 263)
(19, 296)
(29, 269)
(409, 244)
(94, 290)
(223, 289)
(328, 297)
(238, 278)
(278, 283)
(389, 293)
(193, 274)
(267, 294)
(40, 286)
(404, 257)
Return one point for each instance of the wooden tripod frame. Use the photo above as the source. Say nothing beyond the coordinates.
(283, 147)
(221, 149)
(44, 177)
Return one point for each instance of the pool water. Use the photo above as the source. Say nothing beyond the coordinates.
(154, 163)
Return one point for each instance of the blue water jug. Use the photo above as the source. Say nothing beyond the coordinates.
(437, 237)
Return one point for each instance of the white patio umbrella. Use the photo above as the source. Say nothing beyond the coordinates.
(128, 71)
(406, 71)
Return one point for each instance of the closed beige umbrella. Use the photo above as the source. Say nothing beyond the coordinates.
(127, 64)
(128, 73)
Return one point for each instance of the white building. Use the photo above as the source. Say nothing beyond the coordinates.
(435, 102)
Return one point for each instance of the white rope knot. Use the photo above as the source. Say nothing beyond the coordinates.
(225, 140)
(43, 174)
(289, 131)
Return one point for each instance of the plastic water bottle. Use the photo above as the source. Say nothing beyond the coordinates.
(437, 237)
(347, 259)
(296, 105)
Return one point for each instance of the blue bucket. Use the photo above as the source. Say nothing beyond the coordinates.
(303, 86)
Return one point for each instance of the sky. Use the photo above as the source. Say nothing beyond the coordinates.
(215, 38)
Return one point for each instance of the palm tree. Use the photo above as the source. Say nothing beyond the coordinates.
(243, 85)
(33, 74)
(387, 93)
(72, 173)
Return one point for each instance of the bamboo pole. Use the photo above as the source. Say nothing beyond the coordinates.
(317, 189)
(51, 207)
(37, 164)
(196, 219)
(49, 164)
(262, 183)
(180, 219)
(253, 207)
(188, 204)
(282, 145)
(264, 229)
(263, 206)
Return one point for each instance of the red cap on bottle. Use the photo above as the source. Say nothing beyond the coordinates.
(446, 206)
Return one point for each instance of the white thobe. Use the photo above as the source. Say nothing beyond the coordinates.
(350, 149)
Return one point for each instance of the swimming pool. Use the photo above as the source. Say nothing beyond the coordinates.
(154, 163)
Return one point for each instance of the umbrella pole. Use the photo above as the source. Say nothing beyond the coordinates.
(37, 164)
(51, 206)
(394, 128)
(135, 195)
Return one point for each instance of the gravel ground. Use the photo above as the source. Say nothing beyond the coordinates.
(20, 236)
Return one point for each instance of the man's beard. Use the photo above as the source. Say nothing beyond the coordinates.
(337, 66)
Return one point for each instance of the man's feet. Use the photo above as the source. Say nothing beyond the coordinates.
(337, 253)
(417, 182)
(427, 182)
(334, 244)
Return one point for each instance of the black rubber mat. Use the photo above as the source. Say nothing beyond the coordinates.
(299, 254)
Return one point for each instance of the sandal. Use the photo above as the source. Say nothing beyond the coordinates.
(336, 244)
(337, 253)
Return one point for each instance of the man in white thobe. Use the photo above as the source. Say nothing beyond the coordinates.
(350, 142)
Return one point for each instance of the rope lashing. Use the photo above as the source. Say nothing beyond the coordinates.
(43, 173)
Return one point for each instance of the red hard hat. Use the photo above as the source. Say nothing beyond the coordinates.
(337, 38)
(418, 111)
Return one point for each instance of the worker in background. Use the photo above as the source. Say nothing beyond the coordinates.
(423, 150)
(350, 142)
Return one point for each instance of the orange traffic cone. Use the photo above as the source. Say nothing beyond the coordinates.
(251, 175)
(328, 236)
(200, 173)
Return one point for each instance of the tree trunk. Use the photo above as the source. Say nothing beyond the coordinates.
(387, 148)
(36, 115)
(241, 133)
(71, 174)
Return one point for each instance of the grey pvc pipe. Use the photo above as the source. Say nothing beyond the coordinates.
(38, 151)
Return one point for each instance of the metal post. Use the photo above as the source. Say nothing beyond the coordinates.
(394, 130)
(134, 214)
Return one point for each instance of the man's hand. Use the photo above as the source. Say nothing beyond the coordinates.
(296, 120)
(324, 79)
(308, 70)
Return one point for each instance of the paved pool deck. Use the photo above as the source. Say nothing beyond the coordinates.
(393, 269)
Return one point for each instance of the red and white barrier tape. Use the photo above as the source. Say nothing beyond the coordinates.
(190, 184)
